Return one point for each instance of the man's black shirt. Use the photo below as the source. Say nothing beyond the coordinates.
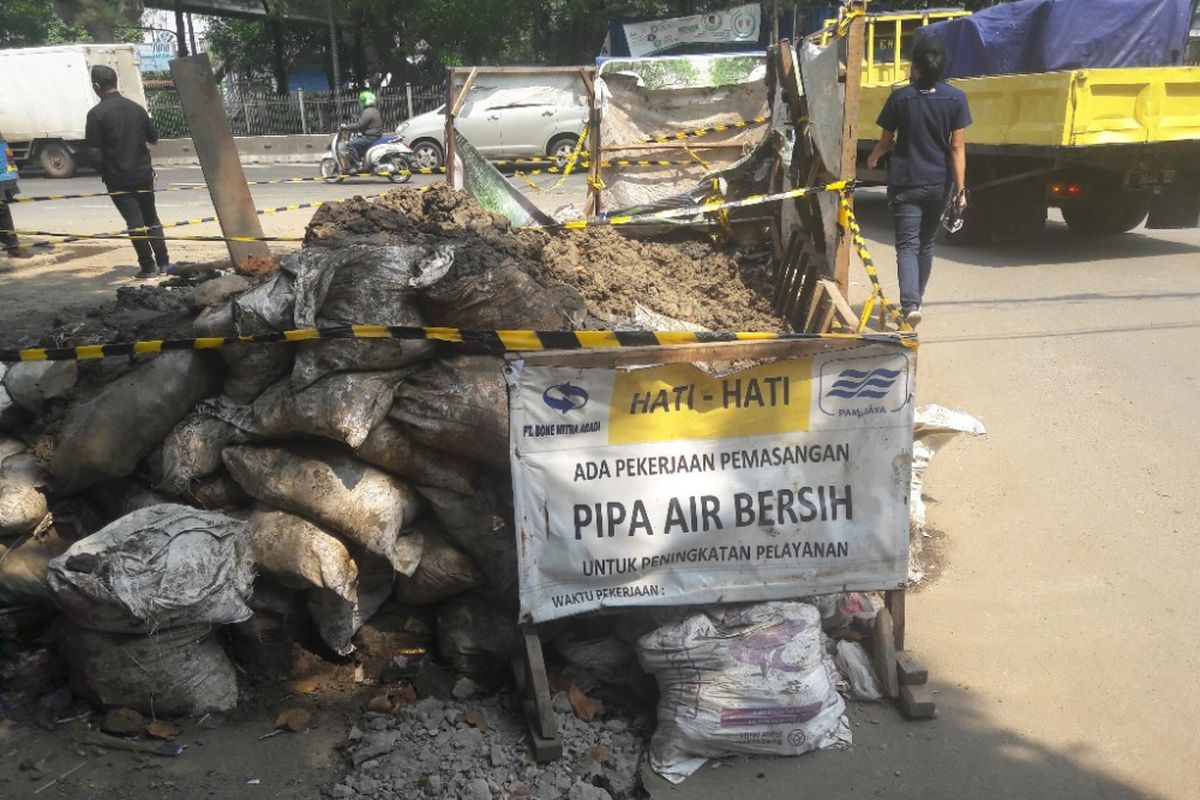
(121, 129)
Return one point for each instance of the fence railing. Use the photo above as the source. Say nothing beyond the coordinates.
(263, 114)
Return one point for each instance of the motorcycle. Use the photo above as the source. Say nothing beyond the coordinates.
(389, 157)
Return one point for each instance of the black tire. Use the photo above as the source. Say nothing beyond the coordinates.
(561, 147)
(56, 160)
(427, 154)
(1119, 212)
(399, 170)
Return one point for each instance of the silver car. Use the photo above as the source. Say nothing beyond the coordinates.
(511, 131)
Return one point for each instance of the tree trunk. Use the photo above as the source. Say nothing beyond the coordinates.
(278, 62)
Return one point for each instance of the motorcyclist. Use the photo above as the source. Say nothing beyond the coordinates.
(369, 128)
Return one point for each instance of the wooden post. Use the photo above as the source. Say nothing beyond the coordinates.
(854, 60)
(455, 98)
(894, 601)
(594, 201)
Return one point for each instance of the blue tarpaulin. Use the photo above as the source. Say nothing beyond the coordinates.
(1053, 35)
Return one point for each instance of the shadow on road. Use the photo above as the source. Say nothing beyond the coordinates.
(1057, 245)
(960, 755)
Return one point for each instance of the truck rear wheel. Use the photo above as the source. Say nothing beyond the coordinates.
(56, 160)
(1119, 212)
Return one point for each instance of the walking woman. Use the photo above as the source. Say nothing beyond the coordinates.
(923, 128)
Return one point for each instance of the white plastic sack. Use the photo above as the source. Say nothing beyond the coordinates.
(853, 663)
(22, 507)
(742, 680)
(933, 428)
(161, 567)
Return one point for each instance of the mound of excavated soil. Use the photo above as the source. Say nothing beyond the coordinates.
(693, 281)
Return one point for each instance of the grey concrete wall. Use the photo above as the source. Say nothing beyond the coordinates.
(297, 149)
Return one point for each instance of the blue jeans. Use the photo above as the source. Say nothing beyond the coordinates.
(917, 213)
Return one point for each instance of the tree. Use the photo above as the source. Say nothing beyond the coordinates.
(31, 23)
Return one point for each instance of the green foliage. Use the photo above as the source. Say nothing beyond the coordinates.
(31, 23)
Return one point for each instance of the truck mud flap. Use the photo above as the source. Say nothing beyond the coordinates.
(1176, 206)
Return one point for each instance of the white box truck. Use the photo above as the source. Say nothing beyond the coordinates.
(46, 92)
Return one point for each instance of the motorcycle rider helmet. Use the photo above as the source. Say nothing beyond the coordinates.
(366, 98)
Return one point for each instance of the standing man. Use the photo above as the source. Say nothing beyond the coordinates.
(117, 134)
(924, 122)
(8, 189)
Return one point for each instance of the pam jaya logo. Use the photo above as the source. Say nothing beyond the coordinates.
(564, 397)
(852, 384)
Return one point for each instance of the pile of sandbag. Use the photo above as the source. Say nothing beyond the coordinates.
(142, 596)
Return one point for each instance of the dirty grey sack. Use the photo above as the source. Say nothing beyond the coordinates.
(359, 285)
(106, 436)
(476, 636)
(192, 450)
(339, 618)
(480, 524)
(442, 573)
(23, 567)
(178, 671)
(503, 298)
(324, 484)
(343, 407)
(390, 447)
(300, 554)
(459, 405)
(22, 506)
(161, 567)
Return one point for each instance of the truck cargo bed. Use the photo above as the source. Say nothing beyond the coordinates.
(1075, 108)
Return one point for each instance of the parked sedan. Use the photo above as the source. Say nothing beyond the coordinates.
(511, 131)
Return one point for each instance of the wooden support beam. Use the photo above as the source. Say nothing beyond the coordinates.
(455, 98)
(855, 48)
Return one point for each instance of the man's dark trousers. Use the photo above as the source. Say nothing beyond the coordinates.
(141, 218)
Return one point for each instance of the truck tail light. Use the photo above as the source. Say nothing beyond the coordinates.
(1061, 189)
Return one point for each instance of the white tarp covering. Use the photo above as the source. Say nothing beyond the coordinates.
(738, 24)
(667, 485)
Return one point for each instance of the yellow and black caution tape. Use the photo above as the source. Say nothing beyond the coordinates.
(122, 235)
(672, 213)
(877, 293)
(698, 132)
(510, 341)
(566, 171)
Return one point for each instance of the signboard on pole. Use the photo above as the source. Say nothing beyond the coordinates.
(668, 485)
(739, 24)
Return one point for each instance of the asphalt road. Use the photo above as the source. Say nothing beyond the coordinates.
(97, 214)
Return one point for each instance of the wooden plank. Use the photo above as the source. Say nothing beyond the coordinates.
(842, 311)
(462, 94)
(822, 311)
(787, 266)
(910, 669)
(594, 201)
(684, 353)
(675, 144)
(884, 654)
(808, 290)
(855, 47)
(894, 600)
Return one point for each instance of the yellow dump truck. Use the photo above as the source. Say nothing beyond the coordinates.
(1109, 147)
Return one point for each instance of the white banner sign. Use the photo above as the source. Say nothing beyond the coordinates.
(740, 24)
(670, 486)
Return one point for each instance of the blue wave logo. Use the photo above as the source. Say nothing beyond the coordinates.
(565, 397)
(852, 384)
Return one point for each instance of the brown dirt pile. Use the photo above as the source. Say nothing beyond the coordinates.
(693, 280)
